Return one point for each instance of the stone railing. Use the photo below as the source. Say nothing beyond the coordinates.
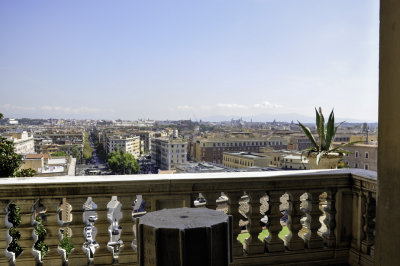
(328, 215)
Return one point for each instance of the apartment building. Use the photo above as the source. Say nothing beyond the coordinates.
(211, 150)
(244, 159)
(127, 144)
(168, 153)
(59, 140)
(295, 162)
(23, 142)
(145, 140)
(363, 156)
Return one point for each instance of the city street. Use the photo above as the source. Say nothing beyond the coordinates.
(95, 164)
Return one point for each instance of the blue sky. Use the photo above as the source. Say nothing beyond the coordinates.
(185, 59)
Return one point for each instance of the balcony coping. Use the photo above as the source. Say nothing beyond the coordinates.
(185, 176)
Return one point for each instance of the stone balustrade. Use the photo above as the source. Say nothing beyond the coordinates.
(329, 215)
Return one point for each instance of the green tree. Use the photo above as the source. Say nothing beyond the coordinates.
(59, 153)
(75, 153)
(123, 163)
(1, 116)
(87, 150)
(25, 173)
(11, 161)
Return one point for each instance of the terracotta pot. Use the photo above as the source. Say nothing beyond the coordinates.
(328, 161)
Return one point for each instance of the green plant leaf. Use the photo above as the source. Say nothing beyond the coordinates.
(321, 132)
(319, 156)
(330, 131)
(307, 131)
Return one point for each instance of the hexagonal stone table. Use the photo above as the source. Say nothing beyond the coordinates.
(185, 236)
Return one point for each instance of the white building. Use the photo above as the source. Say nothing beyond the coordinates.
(295, 162)
(12, 121)
(168, 153)
(23, 142)
(127, 144)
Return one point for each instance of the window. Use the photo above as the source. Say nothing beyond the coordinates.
(366, 166)
(366, 156)
(356, 165)
(356, 155)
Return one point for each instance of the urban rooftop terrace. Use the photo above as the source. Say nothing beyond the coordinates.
(331, 214)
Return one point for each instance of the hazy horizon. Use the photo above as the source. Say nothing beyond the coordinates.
(188, 59)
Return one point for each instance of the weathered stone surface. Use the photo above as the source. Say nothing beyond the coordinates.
(184, 236)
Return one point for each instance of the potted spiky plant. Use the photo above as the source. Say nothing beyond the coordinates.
(322, 154)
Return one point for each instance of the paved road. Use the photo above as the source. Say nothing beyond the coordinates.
(96, 163)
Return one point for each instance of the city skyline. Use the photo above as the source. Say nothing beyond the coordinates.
(178, 60)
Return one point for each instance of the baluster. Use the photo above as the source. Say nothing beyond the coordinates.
(211, 200)
(233, 209)
(369, 226)
(114, 215)
(253, 245)
(331, 217)
(313, 239)
(65, 233)
(127, 254)
(273, 242)
(293, 240)
(372, 249)
(357, 234)
(103, 255)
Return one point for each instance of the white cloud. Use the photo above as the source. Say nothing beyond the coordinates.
(228, 109)
(231, 106)
(266, 105)
(70, 110)
(11, 107)
(185, 107)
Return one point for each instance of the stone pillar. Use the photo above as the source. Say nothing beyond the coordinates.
(273, 242)
(294, 242)
(313, 239)
(253, 244)
(233, 209)
(388, 211)
(331, 215)
(185, 236)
